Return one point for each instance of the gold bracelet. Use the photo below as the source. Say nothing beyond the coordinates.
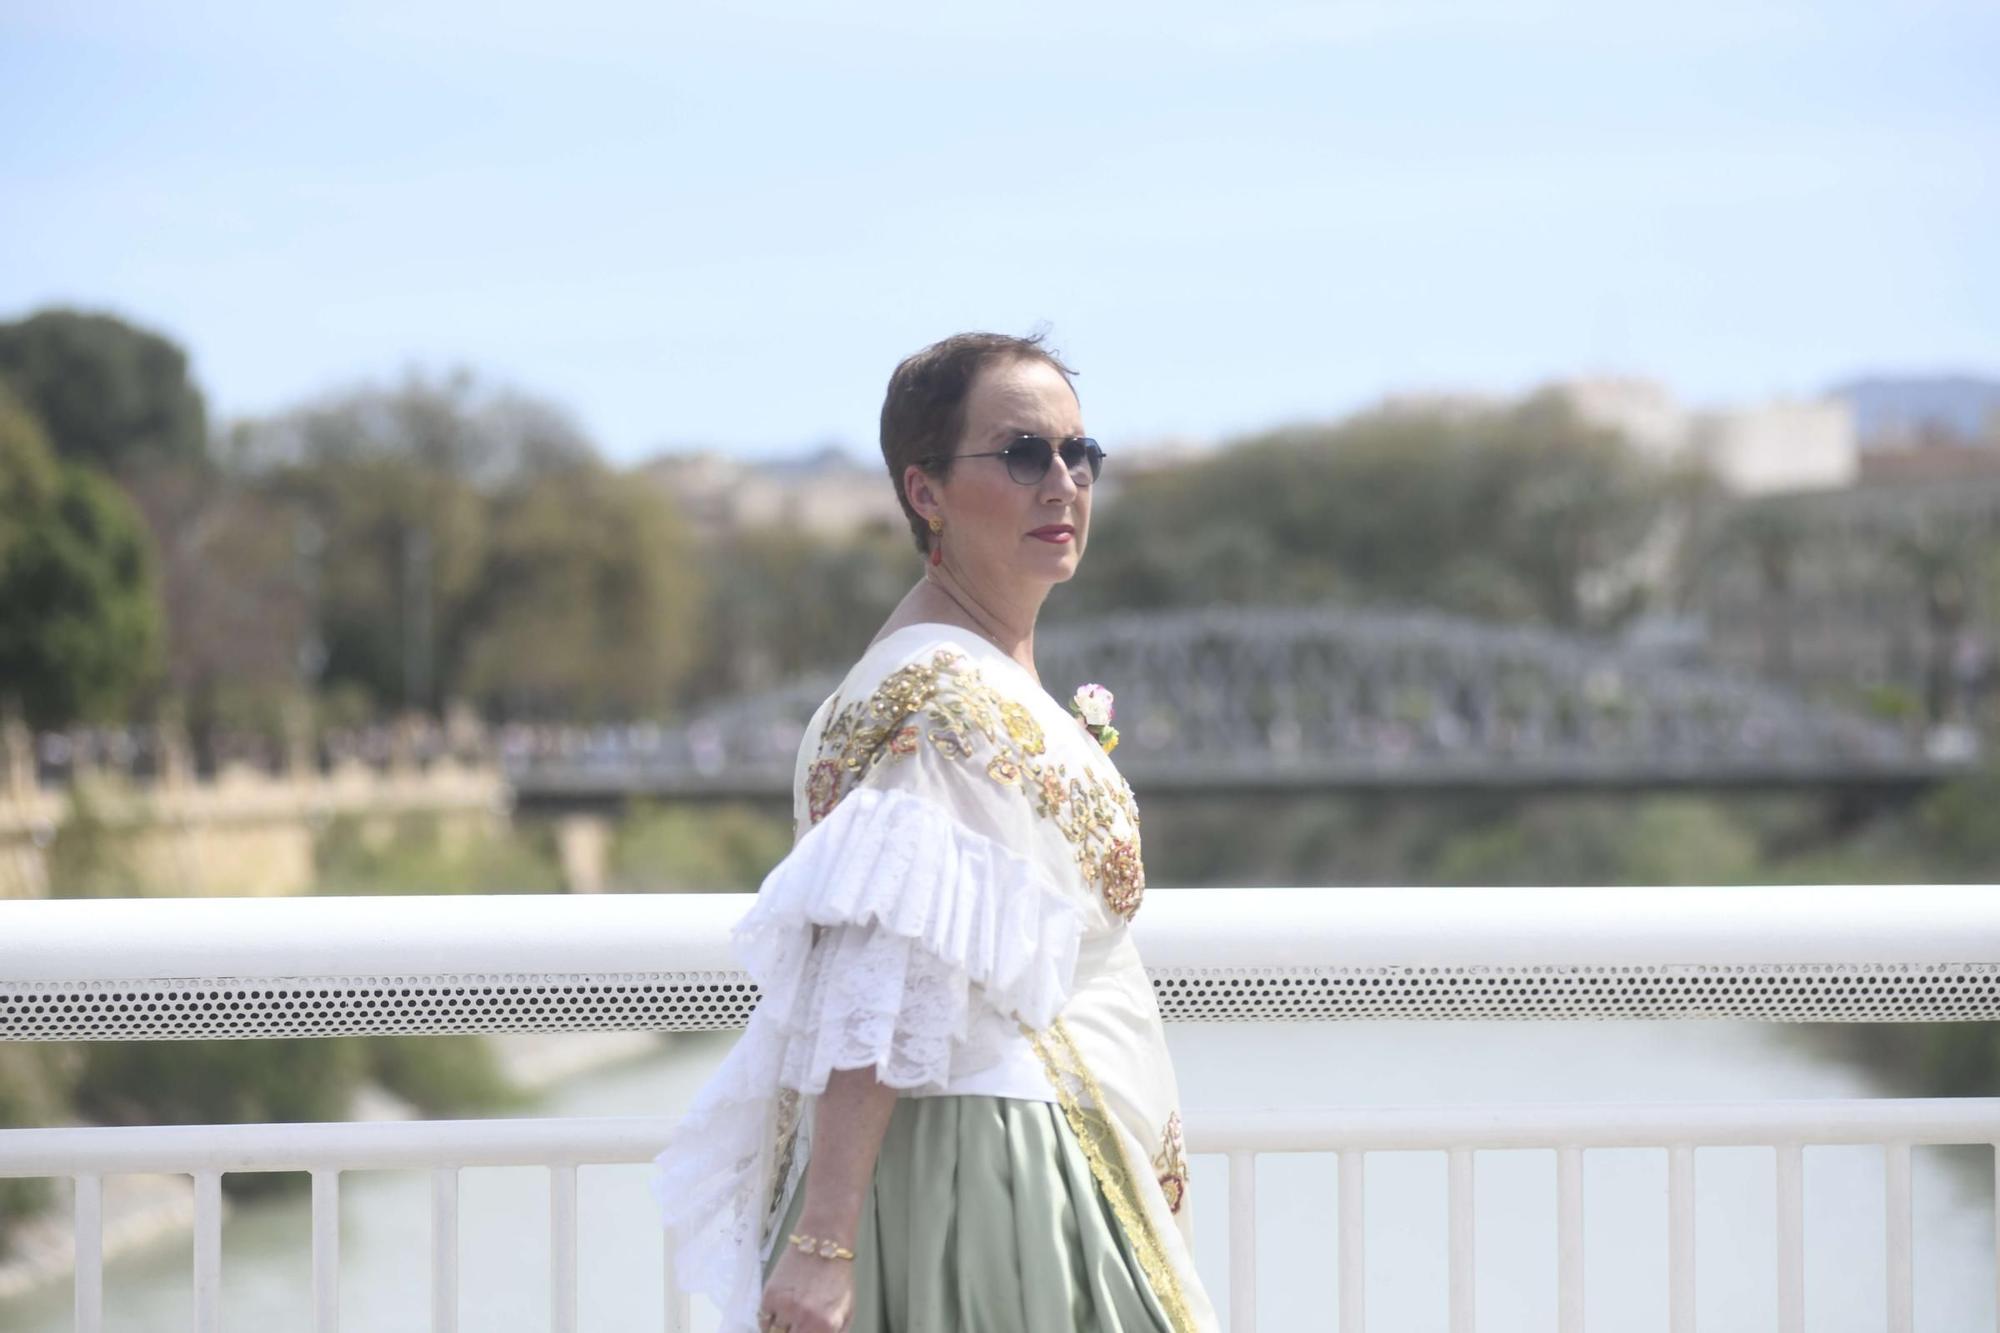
(825, 1249)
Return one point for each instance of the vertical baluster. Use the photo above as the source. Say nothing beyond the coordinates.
(678, 1315)
(1460, 1214)
(1353, 1292)
(326, 1250)
(444, 1249)
(89, 1239)
(1242, 1242)
(207, 1252)
(562, 1247)
(1569, 1239)
(1902, 1308)
(1680, 1238)
(1791, 1239)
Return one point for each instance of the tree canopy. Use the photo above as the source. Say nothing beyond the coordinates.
(1519, 513)
(79, 623)
(109, 394)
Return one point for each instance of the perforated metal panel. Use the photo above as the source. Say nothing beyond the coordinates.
(1785, 992)
(695, 1001)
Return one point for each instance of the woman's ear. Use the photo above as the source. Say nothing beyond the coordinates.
(923, 496)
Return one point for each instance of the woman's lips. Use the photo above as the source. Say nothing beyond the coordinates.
(1057, 535)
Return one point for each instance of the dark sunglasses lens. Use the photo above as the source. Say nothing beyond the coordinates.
(1075, 453)
(1028, 459)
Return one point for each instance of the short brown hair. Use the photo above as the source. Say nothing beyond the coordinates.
(923, 413)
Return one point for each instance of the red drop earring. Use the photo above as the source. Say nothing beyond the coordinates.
(937, 545)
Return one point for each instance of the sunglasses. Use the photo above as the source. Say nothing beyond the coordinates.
(1029, 456)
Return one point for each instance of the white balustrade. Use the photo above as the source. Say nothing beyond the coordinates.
(88, 968)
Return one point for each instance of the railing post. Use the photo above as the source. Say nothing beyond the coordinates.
(678, 1314)
(326, 1250)
(88, 1231)
(1896, 1203)
(562, 1247)
(444, 1249)
(1569, 1239)
(1791, 1238)
(1242, 1242)
(207, 1252)
(1680, 1238)
(1353, 1251)
(1462, 1239)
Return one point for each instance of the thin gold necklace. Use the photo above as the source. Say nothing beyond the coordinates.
(980, 632)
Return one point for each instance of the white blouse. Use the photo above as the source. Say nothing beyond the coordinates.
(953, 915)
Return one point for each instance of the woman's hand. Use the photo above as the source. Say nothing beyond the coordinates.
(808, 1294)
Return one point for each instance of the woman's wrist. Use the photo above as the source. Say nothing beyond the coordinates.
(826, 1247)
(835, 1224)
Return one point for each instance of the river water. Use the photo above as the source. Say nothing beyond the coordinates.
(504, 1255)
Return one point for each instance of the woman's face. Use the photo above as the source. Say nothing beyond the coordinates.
(989, 518)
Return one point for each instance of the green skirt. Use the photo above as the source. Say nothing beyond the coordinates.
(984, 1218)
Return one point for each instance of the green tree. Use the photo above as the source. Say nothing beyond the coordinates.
(586, 605)
(780, 601)
(111, 394)
(472, 545)
(79, 623)
(390, 478)
(1521, 514)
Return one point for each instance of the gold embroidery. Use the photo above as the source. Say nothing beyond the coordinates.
(1124, 877)
(1049, 787)
(1171, 1162)
(960, 705)
(1104, 1149)
(785, 1138)
(952, 744)
(1021, 725)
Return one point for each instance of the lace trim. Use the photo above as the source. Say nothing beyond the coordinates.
(893, 937)
(1104, 1149)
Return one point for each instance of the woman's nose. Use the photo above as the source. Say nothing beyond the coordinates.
(1058, 480)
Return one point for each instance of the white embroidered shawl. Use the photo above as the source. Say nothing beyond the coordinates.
(966, 866)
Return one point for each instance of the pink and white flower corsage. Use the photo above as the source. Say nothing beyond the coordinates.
(1094, 709)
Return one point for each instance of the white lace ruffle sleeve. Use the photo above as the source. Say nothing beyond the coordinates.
(901, 934)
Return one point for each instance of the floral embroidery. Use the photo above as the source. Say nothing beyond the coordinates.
(1049, 787)
(1171, 1162)
(1124, 877)
(822, 788)
(952, 744)
(958, 706)
(1021, 725)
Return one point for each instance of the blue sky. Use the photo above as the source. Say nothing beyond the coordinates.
(723, 225)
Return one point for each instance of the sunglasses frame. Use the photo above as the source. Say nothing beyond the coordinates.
(1092, 469)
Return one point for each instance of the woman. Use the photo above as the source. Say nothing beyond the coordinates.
(953, 1108)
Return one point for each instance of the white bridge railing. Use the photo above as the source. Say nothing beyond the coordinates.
(165, 968)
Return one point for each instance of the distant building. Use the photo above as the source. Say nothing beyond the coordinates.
(1930, 462)
(1779, 446)
(1905, 411)
(825, 493)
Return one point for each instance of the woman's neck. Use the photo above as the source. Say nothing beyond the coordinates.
(935, 598)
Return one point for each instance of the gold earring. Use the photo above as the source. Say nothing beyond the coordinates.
(937, 524)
